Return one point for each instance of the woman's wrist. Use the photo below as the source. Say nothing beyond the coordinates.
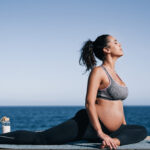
(99, 132)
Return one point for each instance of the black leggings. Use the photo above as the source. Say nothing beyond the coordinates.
(73, 129)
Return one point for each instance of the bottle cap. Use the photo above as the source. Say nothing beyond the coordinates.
(5, 119)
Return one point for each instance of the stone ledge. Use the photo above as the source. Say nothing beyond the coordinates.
(78, 145)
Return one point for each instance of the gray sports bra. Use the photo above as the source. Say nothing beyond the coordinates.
(114, 91)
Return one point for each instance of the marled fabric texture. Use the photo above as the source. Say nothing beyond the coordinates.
(114, 91)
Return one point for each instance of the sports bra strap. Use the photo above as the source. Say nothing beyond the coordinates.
(106, 72)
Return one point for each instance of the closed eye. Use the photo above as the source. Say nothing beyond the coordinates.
(115, 41)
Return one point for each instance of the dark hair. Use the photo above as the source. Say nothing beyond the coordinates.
(91, 48)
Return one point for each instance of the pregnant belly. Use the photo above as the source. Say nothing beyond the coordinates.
(111, 117)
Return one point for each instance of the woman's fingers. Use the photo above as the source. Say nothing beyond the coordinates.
(103, 145)
(111, 144)
(108, 143)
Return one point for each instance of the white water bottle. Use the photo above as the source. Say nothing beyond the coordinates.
(5, 124)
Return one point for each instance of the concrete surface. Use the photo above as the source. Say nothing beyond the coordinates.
(78, 145)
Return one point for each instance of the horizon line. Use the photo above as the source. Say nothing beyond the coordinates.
(55, 105)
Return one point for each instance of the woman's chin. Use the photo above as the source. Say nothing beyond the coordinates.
(121, 54)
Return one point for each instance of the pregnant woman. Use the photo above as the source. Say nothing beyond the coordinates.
(102, 120)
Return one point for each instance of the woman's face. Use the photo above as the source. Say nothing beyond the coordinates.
(114, 46)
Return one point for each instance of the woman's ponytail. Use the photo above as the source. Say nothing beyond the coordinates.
(91, 49)
(87, 55)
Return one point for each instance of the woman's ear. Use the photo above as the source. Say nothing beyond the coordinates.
(106, 50)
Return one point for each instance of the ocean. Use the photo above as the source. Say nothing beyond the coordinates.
(37, 118)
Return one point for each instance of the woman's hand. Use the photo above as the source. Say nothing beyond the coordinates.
(108, 141)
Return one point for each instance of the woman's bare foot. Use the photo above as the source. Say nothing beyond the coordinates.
(116, 141)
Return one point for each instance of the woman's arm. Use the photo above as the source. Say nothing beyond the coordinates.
(93, 85)
(94, 81)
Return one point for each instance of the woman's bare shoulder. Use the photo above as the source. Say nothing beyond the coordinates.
(97, 71)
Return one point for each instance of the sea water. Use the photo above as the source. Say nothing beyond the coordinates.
(37, 118)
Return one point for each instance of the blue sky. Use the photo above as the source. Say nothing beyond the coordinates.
(40, 42)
